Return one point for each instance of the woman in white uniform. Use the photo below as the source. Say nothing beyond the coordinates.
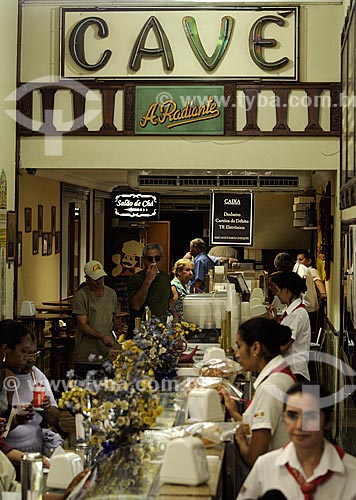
(289, 286)
(259, 342)
(309, 467)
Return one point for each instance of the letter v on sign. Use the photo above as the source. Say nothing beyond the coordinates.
(191, 32)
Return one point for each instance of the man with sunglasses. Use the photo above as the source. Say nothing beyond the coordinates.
(150, 287)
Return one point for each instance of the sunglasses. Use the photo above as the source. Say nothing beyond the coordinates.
(152, 258)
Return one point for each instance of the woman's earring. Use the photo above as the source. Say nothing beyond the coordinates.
(4, 358)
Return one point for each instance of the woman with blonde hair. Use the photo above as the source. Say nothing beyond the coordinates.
(183, 271)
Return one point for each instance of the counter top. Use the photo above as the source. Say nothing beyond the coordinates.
(209, 490)
(133, 471)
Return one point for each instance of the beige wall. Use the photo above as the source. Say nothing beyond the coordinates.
(349, 213)
(274, 223)
(8, 16)
(39, 276)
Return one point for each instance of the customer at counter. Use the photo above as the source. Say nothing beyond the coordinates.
(289, 286)
(202, 264)
(94, 308)
(31, 436)
(150, 287)
(259, 342)
(15, 342)
(309, 467)
(283, 262)
(183, 271)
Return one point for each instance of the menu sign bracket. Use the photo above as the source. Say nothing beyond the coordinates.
(232, 219)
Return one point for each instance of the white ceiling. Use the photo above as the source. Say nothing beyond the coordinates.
(100, 179)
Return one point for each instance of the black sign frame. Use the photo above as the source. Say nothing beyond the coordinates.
(135, 206)
(232, 219)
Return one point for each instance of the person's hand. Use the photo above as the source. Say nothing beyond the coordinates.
(230, 404)
(152, 272)
(108, 341)
(27, 413)
(2, 425)
(271, 312)
(242, 440)
(46, 405)
(322, 299)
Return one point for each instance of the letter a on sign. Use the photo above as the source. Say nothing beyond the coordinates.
(164, 50)
(191, 32)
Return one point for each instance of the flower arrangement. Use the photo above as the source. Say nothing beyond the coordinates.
(121, 400)
(163, 345)
(119, 404)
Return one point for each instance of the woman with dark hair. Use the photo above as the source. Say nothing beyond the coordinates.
(15, 342)
(288, 286)
(259, 342)
(33, 436)
(309, 467)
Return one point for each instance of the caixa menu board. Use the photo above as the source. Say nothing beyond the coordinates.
(232, 219)
(135, 206)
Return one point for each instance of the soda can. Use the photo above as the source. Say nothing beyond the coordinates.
(32, 476)
(86, 453)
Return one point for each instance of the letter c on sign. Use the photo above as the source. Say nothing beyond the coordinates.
(76, 43)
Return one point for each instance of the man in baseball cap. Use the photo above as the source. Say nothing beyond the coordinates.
(94, 309)
(94, 269)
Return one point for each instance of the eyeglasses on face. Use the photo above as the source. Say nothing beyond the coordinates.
(152, 258)
(33, 354)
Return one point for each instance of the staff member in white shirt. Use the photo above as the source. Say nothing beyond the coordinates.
(309, 467)
(259, 342)
(317, 293)
(289, 286)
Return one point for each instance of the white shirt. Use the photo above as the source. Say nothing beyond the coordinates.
(270, 472)
(28, 437)
(298, 354)
(7, 476)
(266, 408)
(310, 297)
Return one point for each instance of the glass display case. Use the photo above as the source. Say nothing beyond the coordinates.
(131, 472)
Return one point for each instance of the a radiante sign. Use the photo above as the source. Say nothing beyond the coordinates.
(197, 110)
(248, 43)
(135, 205)
(232, 219)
